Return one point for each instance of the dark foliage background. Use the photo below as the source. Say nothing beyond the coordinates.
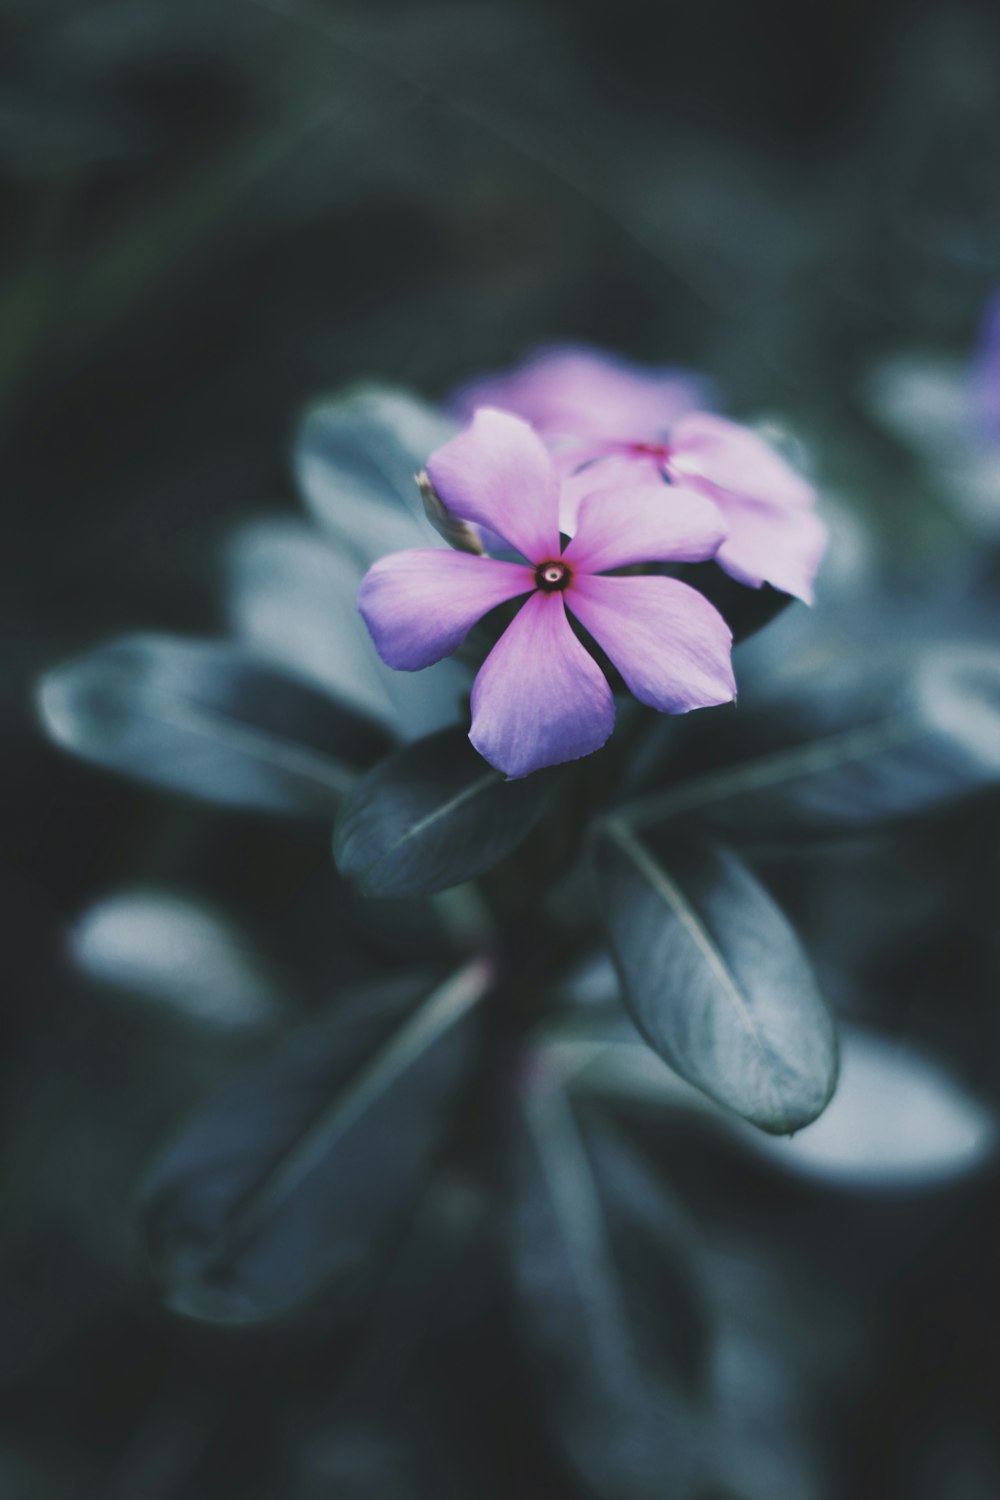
(212, 214)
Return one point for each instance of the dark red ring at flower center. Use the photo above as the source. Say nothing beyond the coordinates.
(651, 450)
(553, 576)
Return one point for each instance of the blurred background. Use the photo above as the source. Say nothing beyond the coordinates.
(212, 212)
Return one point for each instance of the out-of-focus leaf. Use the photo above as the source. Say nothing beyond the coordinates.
(178, 955)
(934, 739)
(356, 459)
(203, 718)
(293, 598)
(393, 1445)
(899, 1119)
(293, 1178)
(776, 1337)
(933, 405)
(714, 976)
(925, 399)
(432, 815)
(609, 1312)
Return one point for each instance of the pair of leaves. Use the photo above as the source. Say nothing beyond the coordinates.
(432, 815)
(711, 970)
(611, 1317)
(207, 719)
(293, 1178)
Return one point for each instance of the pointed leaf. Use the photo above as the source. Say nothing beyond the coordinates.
(203, 718)
(432, 815)
(714, 976)
(294, 1177)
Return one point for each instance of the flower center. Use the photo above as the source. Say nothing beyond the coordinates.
(651, 450)
(552, 576)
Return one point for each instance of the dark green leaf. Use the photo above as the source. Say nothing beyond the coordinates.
(714, 976)
(935, 738)
(432, 815)
(293, 598)
(177, 957)
(356, 459)
(202, 717)
(295, 1177)
(610, 1316)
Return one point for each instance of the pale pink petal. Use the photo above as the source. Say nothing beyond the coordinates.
(575, 391)
(498, 473)
(768, 544)
(670, 645)
(540, 698)
(420, 605)
(604, 472)
(718, 455)
(651, 523)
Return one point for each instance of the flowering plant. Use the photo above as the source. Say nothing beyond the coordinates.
(531, 921)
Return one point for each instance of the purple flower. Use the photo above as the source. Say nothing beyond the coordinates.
(570, 390)
(540, 697)
(611, 423)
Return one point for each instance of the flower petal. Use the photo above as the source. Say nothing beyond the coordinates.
(498, 472)
(540, 698)
(767, 544)
(650, 523)
(671, 646)
(420, 605)
(571, 390)
(604, 471)
(711, 452)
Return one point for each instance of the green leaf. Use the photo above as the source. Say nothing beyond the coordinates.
(293, 598)
(204, 718)
(178, 957)
(432, 815)
(934, 739)
(610, 1313)
(714, 976)
(295, 1178)
(357, 456)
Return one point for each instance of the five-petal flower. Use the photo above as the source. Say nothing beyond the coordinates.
(540, 697)
(614, 424)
